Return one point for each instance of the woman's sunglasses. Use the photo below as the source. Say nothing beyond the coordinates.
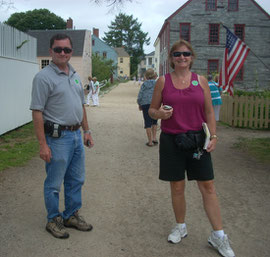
(178, 54)
(60, 49)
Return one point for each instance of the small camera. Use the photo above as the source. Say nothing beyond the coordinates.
(167, 107)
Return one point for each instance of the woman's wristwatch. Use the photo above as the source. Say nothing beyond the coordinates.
(214, 136)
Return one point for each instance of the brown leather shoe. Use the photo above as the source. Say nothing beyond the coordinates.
(77, 221)
(56, 228)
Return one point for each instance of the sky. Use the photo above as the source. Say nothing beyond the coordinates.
(88, 15)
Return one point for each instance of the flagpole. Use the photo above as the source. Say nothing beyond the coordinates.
(252, 52)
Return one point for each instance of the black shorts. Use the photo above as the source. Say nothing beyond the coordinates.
(148, 121)
(173, 162)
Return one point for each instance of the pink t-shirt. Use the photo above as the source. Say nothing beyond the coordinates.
(188, 106)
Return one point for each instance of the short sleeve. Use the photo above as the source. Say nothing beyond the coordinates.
(40, 93)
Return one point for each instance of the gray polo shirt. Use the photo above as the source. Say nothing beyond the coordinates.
(60, 97)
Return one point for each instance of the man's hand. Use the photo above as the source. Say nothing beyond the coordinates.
(88, 140)
(45, 153)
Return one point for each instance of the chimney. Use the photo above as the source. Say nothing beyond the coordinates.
(96, 32)
(69, 23)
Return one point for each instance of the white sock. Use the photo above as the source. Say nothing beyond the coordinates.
(219, 233)
(181, 225)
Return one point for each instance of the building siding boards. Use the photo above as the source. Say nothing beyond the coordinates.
(99, 47)
(257, 36)
(17, 44)
(18, 66)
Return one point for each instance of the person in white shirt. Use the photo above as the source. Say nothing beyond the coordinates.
(95, 92)
(90, 90)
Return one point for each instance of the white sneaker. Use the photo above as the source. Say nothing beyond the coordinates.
(222, 245)
(176, 234)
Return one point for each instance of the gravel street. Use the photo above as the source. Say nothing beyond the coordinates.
(128, 206)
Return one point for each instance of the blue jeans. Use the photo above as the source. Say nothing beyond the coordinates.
(67, 164)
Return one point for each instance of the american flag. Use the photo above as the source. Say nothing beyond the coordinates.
(235, 53)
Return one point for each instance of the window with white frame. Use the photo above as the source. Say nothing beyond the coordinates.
(44, 63)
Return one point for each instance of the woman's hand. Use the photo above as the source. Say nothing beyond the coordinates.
(212, 145)
(165, 114)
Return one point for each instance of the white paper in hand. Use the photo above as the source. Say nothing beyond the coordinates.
(207, 135)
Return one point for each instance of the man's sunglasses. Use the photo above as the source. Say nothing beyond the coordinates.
(178, 54)
(60, 49)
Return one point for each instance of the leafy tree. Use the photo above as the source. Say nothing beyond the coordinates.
(126, 31)
(102, 68)
(37, 19)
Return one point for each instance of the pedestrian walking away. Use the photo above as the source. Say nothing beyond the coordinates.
(58, 113)
(215, 95)
(187, 99)
(144, 99)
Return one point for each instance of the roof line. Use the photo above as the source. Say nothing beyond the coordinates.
(172, 15)
(265, 12)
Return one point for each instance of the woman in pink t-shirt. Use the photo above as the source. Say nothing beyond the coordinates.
(182, 140)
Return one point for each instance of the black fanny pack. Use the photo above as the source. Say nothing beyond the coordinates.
(190, 140)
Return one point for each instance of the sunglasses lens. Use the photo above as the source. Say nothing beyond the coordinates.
(67, 50)
(186, 54)
(57, 50)
(178, 54)
(60, 49)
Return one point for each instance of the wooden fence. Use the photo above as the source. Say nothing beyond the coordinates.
(245, 111)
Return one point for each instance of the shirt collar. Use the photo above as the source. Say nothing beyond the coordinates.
(57, 70)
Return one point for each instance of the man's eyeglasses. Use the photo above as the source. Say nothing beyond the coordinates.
(178, 54)
(60, 49)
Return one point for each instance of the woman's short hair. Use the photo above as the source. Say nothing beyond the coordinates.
(150, 74)
(89, 78)
(178, 44)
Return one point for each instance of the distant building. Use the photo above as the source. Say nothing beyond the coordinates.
(157, 56)
(123, 62)
(82, 52)
(199, 22)
(149, 62)
(100, 48)
(141, 68)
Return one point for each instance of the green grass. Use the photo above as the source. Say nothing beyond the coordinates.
(258, 148)
(18, 147)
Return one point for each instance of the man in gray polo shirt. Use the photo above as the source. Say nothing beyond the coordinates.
(58, 112)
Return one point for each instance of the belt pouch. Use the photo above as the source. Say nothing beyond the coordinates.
(190, 140)
(52, 129)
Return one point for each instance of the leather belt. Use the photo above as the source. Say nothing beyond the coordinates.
(71, 128)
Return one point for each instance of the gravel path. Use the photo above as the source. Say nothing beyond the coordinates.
(128, 206)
